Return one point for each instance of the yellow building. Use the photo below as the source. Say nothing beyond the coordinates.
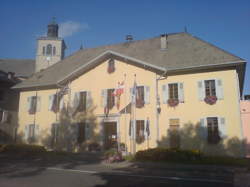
(174, 90)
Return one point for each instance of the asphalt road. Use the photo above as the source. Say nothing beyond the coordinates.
(34, 173)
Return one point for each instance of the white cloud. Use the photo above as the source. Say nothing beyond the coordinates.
(68, 28)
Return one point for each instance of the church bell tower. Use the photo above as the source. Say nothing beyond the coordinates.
(50, 48)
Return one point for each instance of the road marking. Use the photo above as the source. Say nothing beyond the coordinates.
(120, 173)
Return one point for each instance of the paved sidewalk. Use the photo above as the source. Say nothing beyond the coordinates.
(242, 180)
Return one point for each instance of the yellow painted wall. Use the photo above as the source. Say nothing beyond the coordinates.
(188, 112)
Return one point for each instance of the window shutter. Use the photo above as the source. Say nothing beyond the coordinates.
(203, 128)
(219, 89)
(51, 99)
(28, 104)
(181, 92)
(147, 94)
(76, 100)
(222, 127)
(37, 131)
(26, 132)
(104, 97)
(146, 128)
(201, 90)
(38, 104)
(165, 93)
(88, 99)
(61, 104)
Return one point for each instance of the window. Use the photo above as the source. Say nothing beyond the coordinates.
(32, 104)
(49, 50)
(31, 131)
(54, 133)
(174, 136)
(81, 132)
(110, 98)
(140, 128)
(140, 96)
(213, 130)
(210, 88)
(43, 50)
(54, 51)
(173, 91)
(82, 102)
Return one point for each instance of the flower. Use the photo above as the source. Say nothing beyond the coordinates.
(210, 100)
(173, 102)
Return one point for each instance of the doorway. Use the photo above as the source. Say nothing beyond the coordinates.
(110, 135)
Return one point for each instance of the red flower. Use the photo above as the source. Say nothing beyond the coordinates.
(210, 100)
(173, 102)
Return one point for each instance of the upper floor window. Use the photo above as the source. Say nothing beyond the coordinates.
(49, 50)
(173, 91)
(141, 96)
(33, 104)
(81, 101)
(108, 98)
(210, 88)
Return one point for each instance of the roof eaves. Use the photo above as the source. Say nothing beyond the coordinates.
(225, 64)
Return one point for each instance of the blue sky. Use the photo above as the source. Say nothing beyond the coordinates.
(224, 23)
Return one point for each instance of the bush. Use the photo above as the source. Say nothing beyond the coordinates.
(165, 154)
(21, 148)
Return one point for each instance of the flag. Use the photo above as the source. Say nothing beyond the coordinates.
(134, 93)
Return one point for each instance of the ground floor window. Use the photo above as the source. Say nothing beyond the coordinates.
(213, 130)
(140, 128)
(174, 135)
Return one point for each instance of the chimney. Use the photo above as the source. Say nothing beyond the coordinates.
(164, 41)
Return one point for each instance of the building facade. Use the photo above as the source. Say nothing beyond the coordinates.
(245, 117)
(175, 90)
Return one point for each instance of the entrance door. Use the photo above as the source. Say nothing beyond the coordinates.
(110, 134)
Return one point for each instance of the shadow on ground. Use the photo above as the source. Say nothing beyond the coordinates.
(13, 166)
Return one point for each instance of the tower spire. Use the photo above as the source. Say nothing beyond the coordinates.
(52, 28)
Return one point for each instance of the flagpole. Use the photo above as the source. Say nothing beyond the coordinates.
(125, 104)
(134, 106)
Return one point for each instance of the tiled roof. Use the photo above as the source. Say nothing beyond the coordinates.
(183, 51)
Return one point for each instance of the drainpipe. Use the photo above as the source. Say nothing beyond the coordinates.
(157, 108)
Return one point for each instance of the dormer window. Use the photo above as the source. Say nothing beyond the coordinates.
(49, 50)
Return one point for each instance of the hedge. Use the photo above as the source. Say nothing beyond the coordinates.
(21, 148)
(165, 154)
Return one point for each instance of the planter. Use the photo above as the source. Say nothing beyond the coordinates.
(210, 100)
(173, 102)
